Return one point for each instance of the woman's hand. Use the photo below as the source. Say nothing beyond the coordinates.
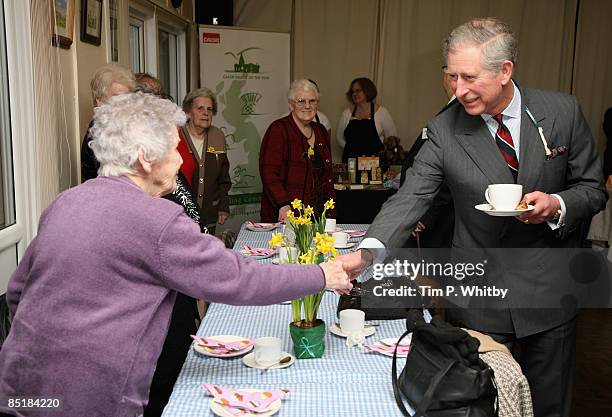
(282, 213)
(222, 217)
(336, 277)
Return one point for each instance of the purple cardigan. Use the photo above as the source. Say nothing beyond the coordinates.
(92, 297)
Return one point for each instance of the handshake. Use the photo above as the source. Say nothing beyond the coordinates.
(340, 272)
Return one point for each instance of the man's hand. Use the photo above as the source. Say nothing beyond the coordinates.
(418, 229)
(355, 262)
(336, 277)
(222, 217)
(546, 207)
(282, 213)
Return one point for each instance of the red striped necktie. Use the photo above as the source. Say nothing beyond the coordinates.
(503, 138)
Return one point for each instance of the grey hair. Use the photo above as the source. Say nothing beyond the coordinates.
(129, 123)
(497, 38)
(105, 76)
(200, 92)
(302, 85)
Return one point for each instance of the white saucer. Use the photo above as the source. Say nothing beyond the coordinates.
(222, 338)
(487, 208)
(367, 330)
(249, 360)
(218, 409)
(348, 246)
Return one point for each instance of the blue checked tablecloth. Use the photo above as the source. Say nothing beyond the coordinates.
(344, 382)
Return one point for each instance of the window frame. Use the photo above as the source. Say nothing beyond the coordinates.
(23, 131)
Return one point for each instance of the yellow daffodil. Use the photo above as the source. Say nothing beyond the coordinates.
(329, 204)
(277, 239)
(290, 215)
(296, 204)
(310, 152)
(211, 149)
(308, 211)
(306, 258)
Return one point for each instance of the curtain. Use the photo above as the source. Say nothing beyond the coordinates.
(592, 82)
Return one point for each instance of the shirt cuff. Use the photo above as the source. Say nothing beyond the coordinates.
(561, 221)
(373, 243)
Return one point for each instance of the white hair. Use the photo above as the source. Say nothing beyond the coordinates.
(302, 85)
(129, 123)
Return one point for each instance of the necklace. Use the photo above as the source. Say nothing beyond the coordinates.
(311, 133)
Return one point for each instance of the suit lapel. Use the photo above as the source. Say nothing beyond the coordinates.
(532, 153)
(474, 136)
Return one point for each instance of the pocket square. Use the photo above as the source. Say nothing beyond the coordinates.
(559, 150)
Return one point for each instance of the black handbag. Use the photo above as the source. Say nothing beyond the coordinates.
(443, 376)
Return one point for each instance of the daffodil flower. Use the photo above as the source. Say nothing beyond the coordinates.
(211, 149)
(310, 152)
(308, 211)
(329, 204)
(296, 204)
(277, 239)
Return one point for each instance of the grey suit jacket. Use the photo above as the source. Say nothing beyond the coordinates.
(461, 151)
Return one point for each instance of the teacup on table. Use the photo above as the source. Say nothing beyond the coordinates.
(330, 225)
(287, 254)
(351, 321)
(504, 196)
(268, 350)
(340, 239)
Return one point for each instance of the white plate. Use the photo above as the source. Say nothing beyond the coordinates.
(249, 360)
(367, 330)
(487, 208)
(218, 409)
(222, 338)
(260, 229)
(348, 246)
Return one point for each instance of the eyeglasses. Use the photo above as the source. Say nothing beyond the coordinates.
(357, 90)
(301, 103)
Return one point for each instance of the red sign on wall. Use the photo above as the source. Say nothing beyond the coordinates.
(208, 37)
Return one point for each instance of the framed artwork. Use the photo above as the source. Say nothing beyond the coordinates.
(62, 22)
(91, 21)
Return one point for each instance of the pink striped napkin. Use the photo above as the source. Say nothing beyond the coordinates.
(250, 251)
(241, 402)
(219, 347)
(355, 233)
(387, 347)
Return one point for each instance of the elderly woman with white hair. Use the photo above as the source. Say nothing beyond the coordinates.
(108, 81)
(91, 299)
(205, 163)
(295, 157)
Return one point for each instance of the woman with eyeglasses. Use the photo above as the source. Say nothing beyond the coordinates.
(363, 129)
(295, 157)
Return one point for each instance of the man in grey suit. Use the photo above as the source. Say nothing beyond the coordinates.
(549, 150)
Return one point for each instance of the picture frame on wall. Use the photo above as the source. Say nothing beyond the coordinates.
(62, 22)
(91, 21)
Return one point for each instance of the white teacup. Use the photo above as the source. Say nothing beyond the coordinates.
(268, 350)
(351, 321)
(340, 239)
(288, 254)
(330, 225)
(504, 196)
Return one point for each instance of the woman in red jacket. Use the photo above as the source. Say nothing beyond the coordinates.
(295, 157)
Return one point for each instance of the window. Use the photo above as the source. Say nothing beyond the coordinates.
(18, 206)
(7, 189)
(136, 32)
(114, 41)
(168, 63)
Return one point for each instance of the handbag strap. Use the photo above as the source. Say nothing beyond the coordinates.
(428, 396)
